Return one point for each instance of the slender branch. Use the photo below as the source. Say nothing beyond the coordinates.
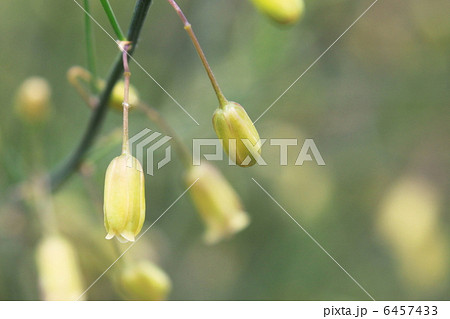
(71, 164)
(90, 47)
(187, 26)
(112, 20)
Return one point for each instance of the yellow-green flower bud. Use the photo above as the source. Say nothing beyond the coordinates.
(124, 198)
(217, 203)
(282, 11)
(33, 100)
(117, 96)
(144, 281)
(235, 128)
(58, 269)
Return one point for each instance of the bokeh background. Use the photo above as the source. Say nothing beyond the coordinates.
(376, 106)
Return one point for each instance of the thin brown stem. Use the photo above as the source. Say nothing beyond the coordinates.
(187, 26)
(125, 46)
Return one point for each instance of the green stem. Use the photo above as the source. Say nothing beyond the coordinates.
(90, 47)
(71, 164)
(112, 19)
(187, 26)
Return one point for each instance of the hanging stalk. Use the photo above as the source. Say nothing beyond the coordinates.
(125, 46)
(187, 26)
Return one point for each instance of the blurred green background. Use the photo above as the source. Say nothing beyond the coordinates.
(376, 106)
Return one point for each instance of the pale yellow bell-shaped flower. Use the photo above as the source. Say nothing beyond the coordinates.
(217, 203)
(282, 11)
(58, 269)
(144, 281)
(124, 198)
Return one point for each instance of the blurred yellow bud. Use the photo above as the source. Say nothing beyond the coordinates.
(58, 269)
(409, 222)
(117, 96)
(239, 136)
(217, 202)
(282, 11)
(33, 100)
(144, 281)
(409, 214)
(124, 198)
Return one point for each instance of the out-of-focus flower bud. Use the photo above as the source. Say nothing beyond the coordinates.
(117, 96)
(124, 198)
(235, 128)
(144, 281)
(282, 11)
(58, 269)
(33, 100)
(409, 213)
(217, 202)
(409, 222)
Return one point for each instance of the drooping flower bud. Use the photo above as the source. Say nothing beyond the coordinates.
(33, 100)
(217, 203)
(282, 11)
(58, 269)
(144, 281)
(117, 96)
(124, 198)
(239, 136)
